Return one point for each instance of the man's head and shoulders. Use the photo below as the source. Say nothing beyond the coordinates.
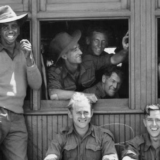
(66, 53)
(82, 138)
(96, 41)
(152, 123)
(10, 45)
(80, 111)
(68, 74)
(149, 142)
(10, 24)
(110, 84)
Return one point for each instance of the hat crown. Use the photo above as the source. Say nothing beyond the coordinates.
(8, 15)
(6, 12)
(60, 42)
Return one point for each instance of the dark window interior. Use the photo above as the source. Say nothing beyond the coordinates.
(158, 56)
(117, 28)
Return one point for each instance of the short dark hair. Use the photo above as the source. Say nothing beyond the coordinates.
(152, 107)
(100, 29)
(114, 69)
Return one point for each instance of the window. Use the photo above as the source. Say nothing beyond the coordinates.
(116, 28)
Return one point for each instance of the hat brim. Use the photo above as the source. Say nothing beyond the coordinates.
(75, 38)
(22, 17)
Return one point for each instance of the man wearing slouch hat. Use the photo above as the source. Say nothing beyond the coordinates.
(17, 71)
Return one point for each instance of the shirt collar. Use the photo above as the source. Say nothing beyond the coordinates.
(17, 47)
(148, 143)
(2, 46)
(90, 130)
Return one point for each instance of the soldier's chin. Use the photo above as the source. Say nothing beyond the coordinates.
(111, 94)
(97, 53)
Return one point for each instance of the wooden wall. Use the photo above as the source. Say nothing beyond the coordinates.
(42, 129)
(45, 117)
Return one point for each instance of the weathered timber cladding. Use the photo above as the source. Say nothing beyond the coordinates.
(43, 128)
(142, 16)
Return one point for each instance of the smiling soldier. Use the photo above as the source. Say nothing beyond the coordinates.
(17, 71)
(147, 145)
(82, 140)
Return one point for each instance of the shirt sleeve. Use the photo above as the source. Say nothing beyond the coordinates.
(132, 148)
(94, 89)
(108, 145)
(57, 145)
(99, 62)
(54, 78)
(34, 77)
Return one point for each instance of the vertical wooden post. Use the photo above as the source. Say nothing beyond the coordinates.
(143, 76)
(35, 36)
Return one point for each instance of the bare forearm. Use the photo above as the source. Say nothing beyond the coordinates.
(119, 57)
(59, 94)
(110, 157)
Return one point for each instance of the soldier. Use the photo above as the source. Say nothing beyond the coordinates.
(147, 145)
(82, 140)
(17, 70)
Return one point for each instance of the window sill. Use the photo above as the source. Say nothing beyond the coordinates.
(103, 106)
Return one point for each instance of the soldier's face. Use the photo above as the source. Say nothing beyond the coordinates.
(74, 55)
(98, 42)
(81, 115)
(152, 123)
(9, 32)
(111, 84)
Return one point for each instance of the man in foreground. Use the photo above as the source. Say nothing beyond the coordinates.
(82, 140)
(147, 145)
(17, 70)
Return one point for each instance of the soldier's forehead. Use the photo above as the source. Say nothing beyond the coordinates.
(82, 105)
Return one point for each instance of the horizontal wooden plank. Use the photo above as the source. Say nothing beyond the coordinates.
(42, 129)
(84, 15)
(102, 106)
(81, 1)
(81, 7)
(14, 6)
(11, 2)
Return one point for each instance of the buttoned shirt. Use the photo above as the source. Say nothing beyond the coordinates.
(96, 143)
(141, 148)
(85, 76)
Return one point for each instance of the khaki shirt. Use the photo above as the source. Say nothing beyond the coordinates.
(97, 142)
(140, 148)
(84, 77)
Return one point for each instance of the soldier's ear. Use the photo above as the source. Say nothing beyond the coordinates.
(88, 40)
(64, 56)
(144, 121)
(103, 79)
(92, 111)
(70, 113)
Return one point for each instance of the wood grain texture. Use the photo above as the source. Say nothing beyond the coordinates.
(43, 128)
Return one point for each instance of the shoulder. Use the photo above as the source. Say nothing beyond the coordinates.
(54, 69)
(138, 140)
(103, 132)
(65, 130)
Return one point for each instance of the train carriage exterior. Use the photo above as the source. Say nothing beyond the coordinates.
(122, 116)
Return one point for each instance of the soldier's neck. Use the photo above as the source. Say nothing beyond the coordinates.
(72, 67)
(155, 142)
